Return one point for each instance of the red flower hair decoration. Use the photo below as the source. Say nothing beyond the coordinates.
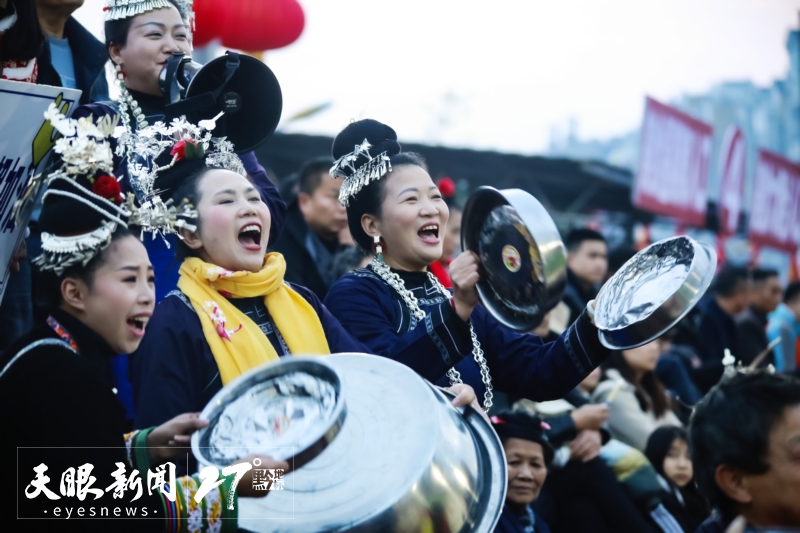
(186, 149)
(108, 187)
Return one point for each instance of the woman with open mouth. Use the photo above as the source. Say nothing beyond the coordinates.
(233, 310)
(400, 310)
(60, 408)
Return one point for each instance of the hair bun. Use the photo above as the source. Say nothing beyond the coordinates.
(379, 135)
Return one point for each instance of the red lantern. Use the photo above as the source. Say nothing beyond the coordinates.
(208, 18)
(258, 25)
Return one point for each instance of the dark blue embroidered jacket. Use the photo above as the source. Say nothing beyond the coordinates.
(519, 364)
(174, 371)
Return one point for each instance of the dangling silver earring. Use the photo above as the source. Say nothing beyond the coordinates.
(377, 248)
(120, 74)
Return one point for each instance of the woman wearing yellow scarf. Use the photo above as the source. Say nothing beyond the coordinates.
(232, 309)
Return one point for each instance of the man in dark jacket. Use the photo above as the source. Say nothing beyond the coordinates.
(587, 262)
(765, 297)
(72, 57)
(310, 238)
(715, 326)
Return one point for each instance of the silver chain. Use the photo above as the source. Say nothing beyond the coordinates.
(396, 282)
(129, 106)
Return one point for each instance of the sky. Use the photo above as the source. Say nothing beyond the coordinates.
(504, 75)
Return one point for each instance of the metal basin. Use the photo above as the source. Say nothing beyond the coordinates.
(290, 410)
(405, 460)
(653, 291)
(523, 260)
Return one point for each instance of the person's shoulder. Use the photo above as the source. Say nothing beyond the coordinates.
(77, 32)
(359, 283)
(306, 293)
(613, 379)
(175, 312)
(712, 524)
(175, 300)
(41, 357)
(746, 318)
(175, 324)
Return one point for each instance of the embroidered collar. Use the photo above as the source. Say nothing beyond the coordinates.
(62, 332)
(74, 332)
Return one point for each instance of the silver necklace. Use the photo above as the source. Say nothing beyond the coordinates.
(129, 106)
(396, 282)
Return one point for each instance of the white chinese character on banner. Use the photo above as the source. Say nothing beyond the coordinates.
(157, 479)
(121, 483)
(39, 484)
(78, 483)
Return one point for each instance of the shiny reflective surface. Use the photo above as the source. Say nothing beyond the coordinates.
(653, 291)
(405, 460)
(291, 408)
(277, 412)
(523, 260)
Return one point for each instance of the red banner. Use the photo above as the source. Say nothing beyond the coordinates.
(775, 213)
(732, 170)
(672, 179)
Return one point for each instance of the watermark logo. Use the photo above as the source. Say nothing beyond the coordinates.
(80, 482)
(267, 478)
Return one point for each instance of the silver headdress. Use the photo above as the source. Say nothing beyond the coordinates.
(183, 141)
(122, 9)
(84, 152)
(84, 148)
(60, 253)
(356, 176)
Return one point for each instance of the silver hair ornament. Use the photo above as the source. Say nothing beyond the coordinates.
(358, 177)
(60, 253)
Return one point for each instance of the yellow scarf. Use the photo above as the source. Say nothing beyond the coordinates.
(237, 343)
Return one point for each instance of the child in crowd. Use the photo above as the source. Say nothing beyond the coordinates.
(668, 451)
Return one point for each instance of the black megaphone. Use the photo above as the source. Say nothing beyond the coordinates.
(240, 85)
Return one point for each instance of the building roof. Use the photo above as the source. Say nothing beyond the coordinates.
(562, 185)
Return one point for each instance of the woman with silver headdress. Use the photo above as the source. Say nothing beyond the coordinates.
(140, 36)
(61, 410)
(233, 310)
(399, 310)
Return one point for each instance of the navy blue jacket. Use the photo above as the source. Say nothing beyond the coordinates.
(509, 523)
(717, 332)
(520, 364)
(174, 371)
(89, 58)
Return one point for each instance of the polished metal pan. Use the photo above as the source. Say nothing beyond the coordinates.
(653, 291)
(405, 460)
(523, 261)
(290, 409)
